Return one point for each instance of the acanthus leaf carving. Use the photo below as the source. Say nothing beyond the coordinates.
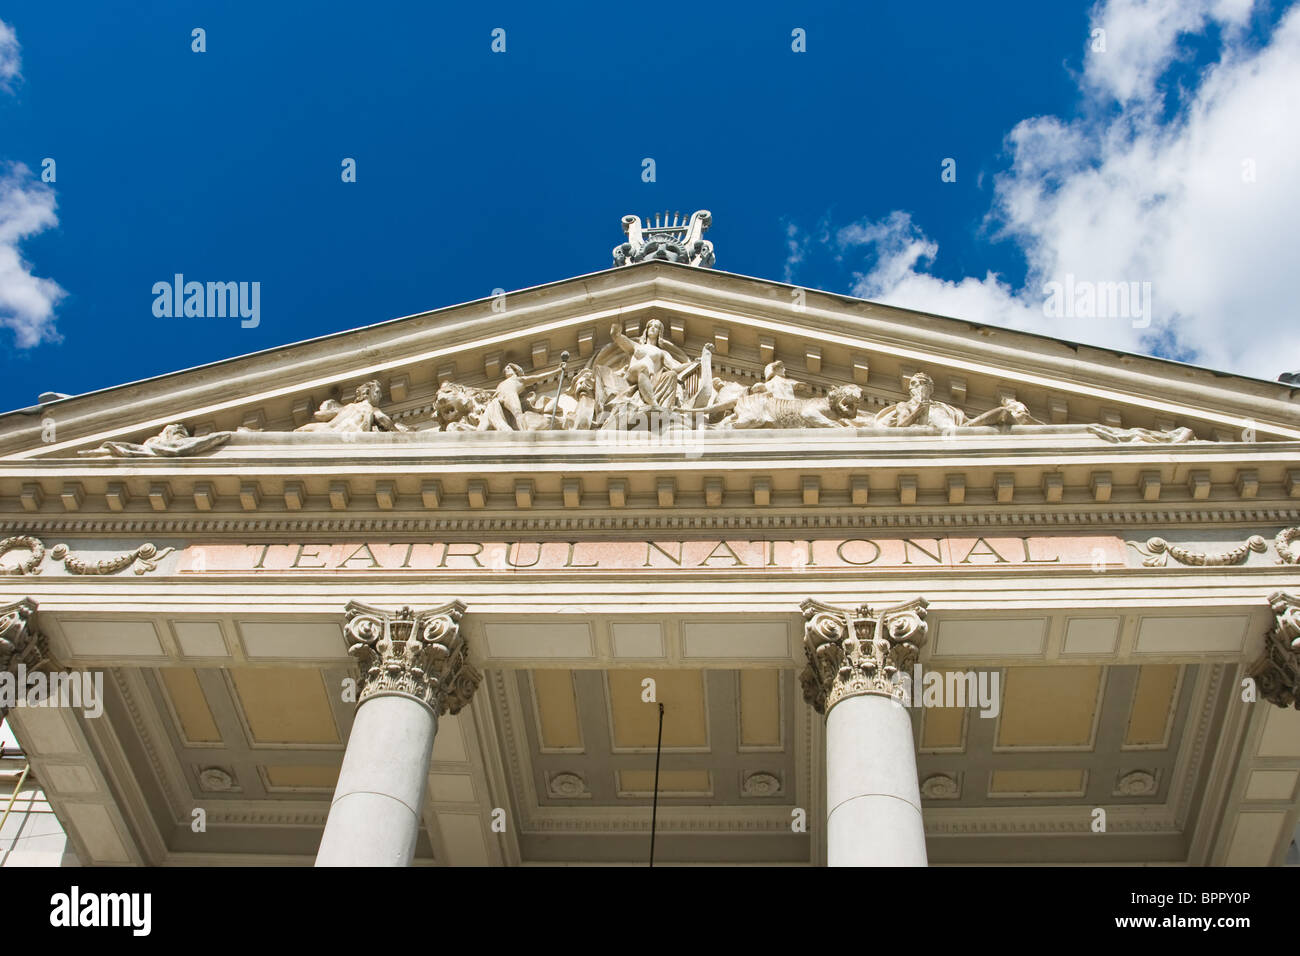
(852, 652)
(421, 655)
(1277, 671)
(23, 646)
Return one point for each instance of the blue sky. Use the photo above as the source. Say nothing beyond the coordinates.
(478, 170)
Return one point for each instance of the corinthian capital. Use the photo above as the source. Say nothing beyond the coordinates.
(21, 642)
(1277, 672)
(852, 652)
(419, 654)
(23, 647)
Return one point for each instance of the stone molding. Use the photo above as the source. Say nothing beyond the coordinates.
(640, 521)
(861, 651)
(421, 654)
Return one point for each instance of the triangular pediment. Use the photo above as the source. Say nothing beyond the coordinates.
(824, 340)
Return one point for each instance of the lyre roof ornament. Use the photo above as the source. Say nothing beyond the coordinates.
(669, 238)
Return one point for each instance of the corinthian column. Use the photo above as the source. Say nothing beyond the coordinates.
(414, 668)
(857, 676)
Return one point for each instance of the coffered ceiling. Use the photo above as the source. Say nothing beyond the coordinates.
(566, 758)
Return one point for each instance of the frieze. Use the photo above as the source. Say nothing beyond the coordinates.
(659, 555)
(649, 552)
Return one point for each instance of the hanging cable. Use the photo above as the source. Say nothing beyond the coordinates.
(654, 809)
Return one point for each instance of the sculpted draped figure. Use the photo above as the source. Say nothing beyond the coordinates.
(652, 368)
(781, 402)
(766, 409)
(174, 441)
(776, 384)
(509, 406)
(922, 409)
(504, 412)
(362, 415)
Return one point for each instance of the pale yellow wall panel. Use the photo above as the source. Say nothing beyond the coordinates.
(1036, 781)
(636, 723)
(312, 777)
(1049, 706)
(191, 706)
(1153, 702)
(557, 708)
(670, 781)
(285, 705)
(760, 708)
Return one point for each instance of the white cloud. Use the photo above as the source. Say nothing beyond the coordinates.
(1132, 192)
(26, 301)
(10, 60)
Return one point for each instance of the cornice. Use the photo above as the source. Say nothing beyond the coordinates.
(604, 524)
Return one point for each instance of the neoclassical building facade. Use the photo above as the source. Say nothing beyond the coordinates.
(909, 590)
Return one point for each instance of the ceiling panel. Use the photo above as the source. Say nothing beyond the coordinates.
(285, 705)
(189, 705)
(635, 721)
(1049, 707)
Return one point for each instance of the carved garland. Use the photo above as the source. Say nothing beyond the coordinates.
(1158, 551)
(850, 653)
(142, 560)
(1286, 554)
(31, 565)
(414, 655)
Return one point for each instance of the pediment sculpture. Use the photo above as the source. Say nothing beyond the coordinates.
(921, 409)
(513, 405)
(639, 381)
(174, 441)
(361, 415)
